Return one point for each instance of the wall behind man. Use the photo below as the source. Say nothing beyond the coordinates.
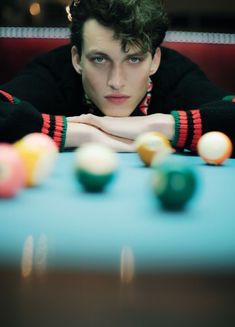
(188, 15)
(202, 15)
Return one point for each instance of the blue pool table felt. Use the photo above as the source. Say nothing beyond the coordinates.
(89, 231)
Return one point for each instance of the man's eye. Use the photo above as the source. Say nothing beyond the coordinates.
(98, 60)
(134, 60)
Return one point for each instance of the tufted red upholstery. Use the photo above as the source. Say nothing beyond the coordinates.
(15, 53)
(217, 60)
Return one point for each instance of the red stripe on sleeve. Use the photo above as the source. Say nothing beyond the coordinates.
(183, 132)
(46, 124)
(197, 133)
(8, 96)
(58, 130)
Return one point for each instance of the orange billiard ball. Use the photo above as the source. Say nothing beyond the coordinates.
(151, 145)
(38, 153)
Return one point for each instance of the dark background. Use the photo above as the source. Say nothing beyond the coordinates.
(187, 15)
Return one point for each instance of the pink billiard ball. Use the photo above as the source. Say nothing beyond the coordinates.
(12, 172)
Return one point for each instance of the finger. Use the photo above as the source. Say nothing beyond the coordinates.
(79, 119)
(116, 126)
(98, 122)
(91, 120)
(88, 119)
(110, 125)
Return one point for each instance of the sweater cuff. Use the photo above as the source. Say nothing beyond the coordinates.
(229, 98)
(8, 97)
(188, 129)
(55, 127)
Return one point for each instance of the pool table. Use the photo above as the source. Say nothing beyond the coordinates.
(117, 258)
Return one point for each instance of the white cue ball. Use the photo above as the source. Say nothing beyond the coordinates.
(214, 147)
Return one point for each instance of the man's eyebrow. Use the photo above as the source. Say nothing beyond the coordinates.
(137, 54)
(103, 54)
(96, 53)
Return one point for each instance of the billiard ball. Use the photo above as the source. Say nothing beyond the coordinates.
(95, 166)
(38, 152)
(214, 147)
(40, 140)
(174, 184)
(12, 172)
(152, 145)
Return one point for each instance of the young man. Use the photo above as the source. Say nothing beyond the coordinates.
(114, 82)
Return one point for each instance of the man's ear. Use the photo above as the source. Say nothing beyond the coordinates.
(76, 61)
(156, 61)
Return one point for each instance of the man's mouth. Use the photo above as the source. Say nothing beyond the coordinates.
(117, 98)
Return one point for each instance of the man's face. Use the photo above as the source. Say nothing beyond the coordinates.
(115, 81)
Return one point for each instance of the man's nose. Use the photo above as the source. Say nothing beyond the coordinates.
(116, 78)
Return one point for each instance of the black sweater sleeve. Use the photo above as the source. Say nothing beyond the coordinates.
(196, 103)
(201, 107)
(32, 102)
(18, 119)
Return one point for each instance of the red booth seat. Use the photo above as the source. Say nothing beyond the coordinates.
(214, 53)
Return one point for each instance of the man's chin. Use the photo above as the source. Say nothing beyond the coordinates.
(117, 113)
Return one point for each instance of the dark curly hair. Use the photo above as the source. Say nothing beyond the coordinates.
(142, 23)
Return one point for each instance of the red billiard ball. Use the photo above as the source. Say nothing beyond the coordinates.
(12, 172)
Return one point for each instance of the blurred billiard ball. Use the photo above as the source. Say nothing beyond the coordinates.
(95, 166)
(214, 147)
(174, 184)
(152, 145)
(12, 172)
(38, 152)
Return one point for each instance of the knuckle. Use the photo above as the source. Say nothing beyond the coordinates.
(89, 117)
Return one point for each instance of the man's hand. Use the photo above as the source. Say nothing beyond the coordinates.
(129, 127)
(78, 133)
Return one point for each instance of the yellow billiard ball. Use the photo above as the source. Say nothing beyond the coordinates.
(214, 147)
(38, 153)
(151, 145)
